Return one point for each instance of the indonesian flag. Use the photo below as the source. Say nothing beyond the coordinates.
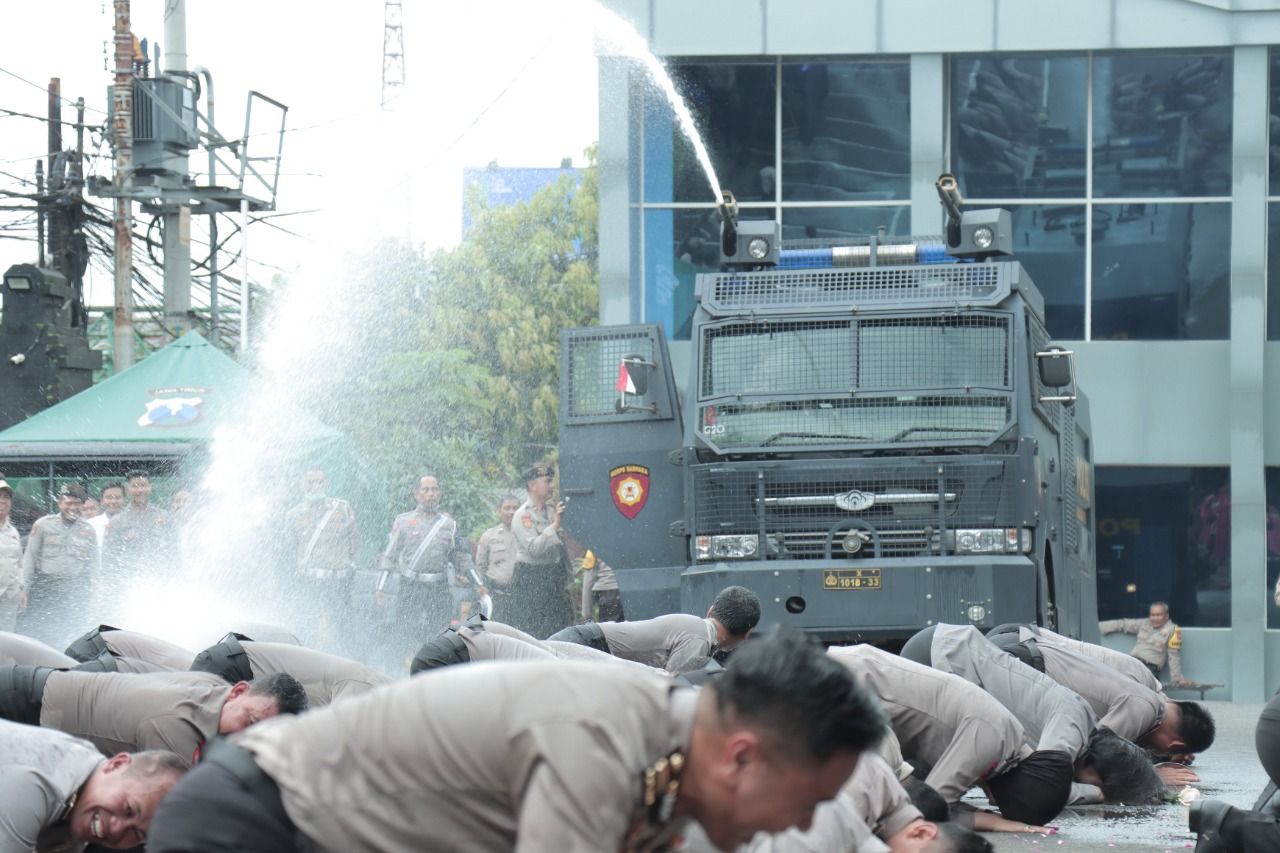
(624, 383)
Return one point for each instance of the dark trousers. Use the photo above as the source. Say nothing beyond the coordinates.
(584, 635)
(54, 605)
(1027, 652)
(609, 603)
(226, 659)
(539, 602)
(227, 804)
(22, 692)
(89, 646)
(322, 611)
(444, 649)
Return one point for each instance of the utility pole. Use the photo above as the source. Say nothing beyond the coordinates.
(56, 230)
(176, 217)
(122, 135)
(392, 49)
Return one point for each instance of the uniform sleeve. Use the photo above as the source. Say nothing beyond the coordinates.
(541, 547)
(1124, 626)
(482, 554)
(391, 554)
(351, 533)
(578, 810)
(689, 653)
(170, 733)
(34, 543)
(29, 806)
(1133, 715)
(974, 749)
(1174, 648)
(588, 580)
(1083, 794)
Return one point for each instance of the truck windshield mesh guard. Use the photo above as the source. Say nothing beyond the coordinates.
(914, 379)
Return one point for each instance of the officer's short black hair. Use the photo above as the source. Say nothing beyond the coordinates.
(507, 496)
(72, 490)
(288, 691)
(157, 763)
(1197, 729)
(926, 798)
(114, 484)
(737, 609)
(1124, 769)
(785, 685)
(957, 839)
(135, 473)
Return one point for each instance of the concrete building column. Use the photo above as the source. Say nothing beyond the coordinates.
(928, 140)
(1247, 361)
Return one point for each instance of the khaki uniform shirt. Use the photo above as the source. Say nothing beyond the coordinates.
(117, 712)
(676, 642)
(161, 654)
(13, 577)
(530, 757)
(497, 641)
(1052, 716)
(963, 734)
(41, 773)
(318, 551)
(136, 535)
(496, 555)
(538, 543)
(446, 552)
(1121, 704)
(21, 649)
(60, 548)
(326, 678)
(1154, 645)
(1119, 661)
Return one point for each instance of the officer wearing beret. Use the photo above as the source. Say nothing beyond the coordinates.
(540, 600)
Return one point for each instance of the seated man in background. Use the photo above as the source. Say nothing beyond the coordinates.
(59, 793)
(1159, 641)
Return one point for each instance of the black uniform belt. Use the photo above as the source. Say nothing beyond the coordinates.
(251, 778)
(90, 646)
(226, 659)
(22, 692)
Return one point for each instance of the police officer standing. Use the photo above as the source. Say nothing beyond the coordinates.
(321, 540)
(425, 554)
(13, 581)
(61, 555)
(141, 534)
(541, 602)
(496, 556)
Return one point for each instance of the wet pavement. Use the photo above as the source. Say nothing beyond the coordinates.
(1229, 771)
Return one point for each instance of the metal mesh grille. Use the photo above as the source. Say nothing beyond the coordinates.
(778, 358)
(941, 284)
(1071, 527)
(912, 504)
(842, 421)
(593, 371)
(934, 352)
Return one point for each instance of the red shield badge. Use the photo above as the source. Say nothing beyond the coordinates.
(629, 485)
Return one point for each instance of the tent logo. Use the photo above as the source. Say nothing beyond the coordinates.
(173, 407)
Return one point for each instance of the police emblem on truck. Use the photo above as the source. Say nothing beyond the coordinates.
(629, 487)
(855, 501)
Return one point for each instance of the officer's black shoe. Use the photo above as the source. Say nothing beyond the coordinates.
(1217, 826)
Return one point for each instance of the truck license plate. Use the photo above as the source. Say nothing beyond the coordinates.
(838, 579)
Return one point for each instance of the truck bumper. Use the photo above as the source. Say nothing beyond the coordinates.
(874, 600)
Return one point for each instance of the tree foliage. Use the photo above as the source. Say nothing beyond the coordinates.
(459, 364)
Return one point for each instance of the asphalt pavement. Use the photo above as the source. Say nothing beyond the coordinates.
(1229, 771)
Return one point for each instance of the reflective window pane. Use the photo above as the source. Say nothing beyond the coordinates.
(1161, 271)
(1273, 272)
(1162, 124)
(1049, 241)
(734, 108)
(1273, 546)
(1018, 125)
(679, 244)
(1274, 98)
(843, 223)
(846, 131)
(1164, 534)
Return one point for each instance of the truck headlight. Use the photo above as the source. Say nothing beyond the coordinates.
(729, 547)
(983, 540)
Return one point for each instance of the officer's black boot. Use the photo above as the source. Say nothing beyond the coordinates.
(1219, 828)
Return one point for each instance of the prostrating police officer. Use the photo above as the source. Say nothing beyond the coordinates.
(61, 554)
(424, 551)
(588, 758)
(539, 596)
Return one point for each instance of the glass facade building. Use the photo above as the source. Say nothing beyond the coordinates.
(1132, 144)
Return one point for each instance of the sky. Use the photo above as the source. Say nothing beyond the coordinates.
(509, 81)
